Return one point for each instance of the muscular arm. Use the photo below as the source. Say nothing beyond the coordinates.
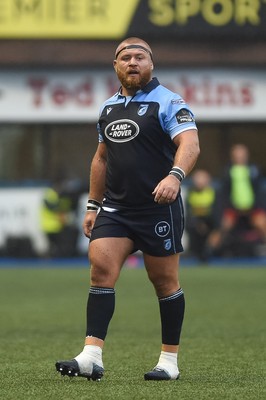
(186, 156)
(187, 150)
(98, 172)
(97, 185)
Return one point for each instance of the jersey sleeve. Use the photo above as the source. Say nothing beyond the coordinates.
(101, 111)
(177, 117)
(98, 126)
(100, 135)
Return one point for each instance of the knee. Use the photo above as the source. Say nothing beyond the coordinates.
(100, 276)
(164, 285)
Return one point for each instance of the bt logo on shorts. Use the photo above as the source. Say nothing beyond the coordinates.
(162, 228)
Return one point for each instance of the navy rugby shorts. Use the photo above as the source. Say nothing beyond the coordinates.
(156, 231)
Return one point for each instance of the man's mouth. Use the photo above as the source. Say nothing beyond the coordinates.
(134, 73)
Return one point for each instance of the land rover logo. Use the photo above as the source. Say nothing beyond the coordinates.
(121, 130)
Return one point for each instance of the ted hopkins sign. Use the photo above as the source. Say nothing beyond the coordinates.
(214, 95)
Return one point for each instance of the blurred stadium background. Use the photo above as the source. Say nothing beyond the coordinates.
(56, 69)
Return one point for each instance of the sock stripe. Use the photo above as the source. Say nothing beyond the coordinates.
(173, 296)
(100, 290)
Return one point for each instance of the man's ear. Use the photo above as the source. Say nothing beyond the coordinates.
(152, 66)
(114, 65)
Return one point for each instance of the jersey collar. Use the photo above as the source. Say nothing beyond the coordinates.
(151, 85)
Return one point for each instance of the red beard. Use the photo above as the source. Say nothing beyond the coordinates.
(134, 82)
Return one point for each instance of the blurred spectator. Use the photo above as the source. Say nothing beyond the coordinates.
(71, 191)
(243, 223)
(57, 220)
(201, 214)
(53, 219)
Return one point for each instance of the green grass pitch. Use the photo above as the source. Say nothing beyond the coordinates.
(222, 356)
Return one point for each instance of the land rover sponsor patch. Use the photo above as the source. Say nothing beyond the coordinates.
(121, 130)
(184, 116)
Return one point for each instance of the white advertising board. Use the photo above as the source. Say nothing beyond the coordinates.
(76, 96)
(20, 216)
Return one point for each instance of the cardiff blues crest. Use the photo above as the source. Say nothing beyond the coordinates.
(167, 244)
(142, 109)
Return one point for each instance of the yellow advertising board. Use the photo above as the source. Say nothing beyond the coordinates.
(115, 19)
(92, 19)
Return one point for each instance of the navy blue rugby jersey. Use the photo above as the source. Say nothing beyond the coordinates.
(138, 132)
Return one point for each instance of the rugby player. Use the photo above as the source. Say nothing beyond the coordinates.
(148, 143)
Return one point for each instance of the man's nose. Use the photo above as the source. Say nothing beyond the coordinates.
(133, 61)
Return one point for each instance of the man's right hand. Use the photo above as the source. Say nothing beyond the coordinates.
(88, 222)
